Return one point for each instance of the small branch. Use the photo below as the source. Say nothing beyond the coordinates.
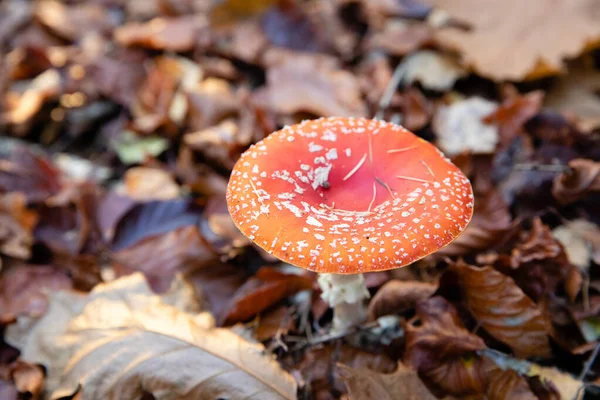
(388, 93)
(589, 362)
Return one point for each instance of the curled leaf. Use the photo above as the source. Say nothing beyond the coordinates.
(502, 309)
(508, 384)
(262, 291)
(173, 34)
(439, 347)
(404, 383)
(24, 289)
(16, 226)
(310, 83)
(396, 296)
(573, 185)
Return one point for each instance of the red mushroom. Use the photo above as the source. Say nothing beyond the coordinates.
(344, 196)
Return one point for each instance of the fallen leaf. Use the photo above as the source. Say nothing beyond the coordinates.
(503, 310)
(439, 347)
(122, 340)
(274, 323)
(397, 296)
(144, 184)
(398, 37)
(320, 367)
(210, 102)
(289, 26)
(218, 283)
(495, 49)
(582, 178)
(161, 256)
(563, 384)
(16, 226)
(28, 379)
(171, 34)
(417, 110)
(42, 88)
(581, 242)
(24, 290)
(539, 244)
(459, 127)
(217, 142)
(310, 83)
(404, 384)
(154, 218)
(431, 69)
(514, 112)
(72, 23)
(262, 291)
(508, 384)
(132, 149)
(575, 95)
(24, 170)
(219, 230)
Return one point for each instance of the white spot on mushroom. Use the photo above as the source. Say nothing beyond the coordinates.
(321, 176)
(313, 221)
(319, 236)
(332, 154)
(313, 147)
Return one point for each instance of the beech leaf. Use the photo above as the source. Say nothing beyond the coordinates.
(502, 309)
(563, 32)
(121, 340)
(403, 384)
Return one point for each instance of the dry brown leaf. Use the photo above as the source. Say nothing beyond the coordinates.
(440, 348)
(172, 34)
(262, 291)
(320, 367)
(508, 384)
(311, 83)
(122, 340)
(573, 185)
(27, 104)
(514, 112)
(396, 296)
(16, 226)
(274, 323)
(145, 184)
(506, 45)
(538, 245)
(576, 96)
(160, 257)
(24, 290)
(399, 38)
(72, 23)
(433, 70)
(28, 379)
(437, 333)
(403, 384)
(502, 309)
(581, 241)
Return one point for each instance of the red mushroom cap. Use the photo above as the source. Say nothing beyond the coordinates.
(348, 195)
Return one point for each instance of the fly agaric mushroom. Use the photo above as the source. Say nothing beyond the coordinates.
(344, 196)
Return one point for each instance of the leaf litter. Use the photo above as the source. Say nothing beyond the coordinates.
(120, 124)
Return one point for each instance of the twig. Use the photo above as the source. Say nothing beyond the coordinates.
(532, 166)
(589, 362)
(388, 93)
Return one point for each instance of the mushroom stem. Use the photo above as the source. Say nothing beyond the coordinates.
(346, 295)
